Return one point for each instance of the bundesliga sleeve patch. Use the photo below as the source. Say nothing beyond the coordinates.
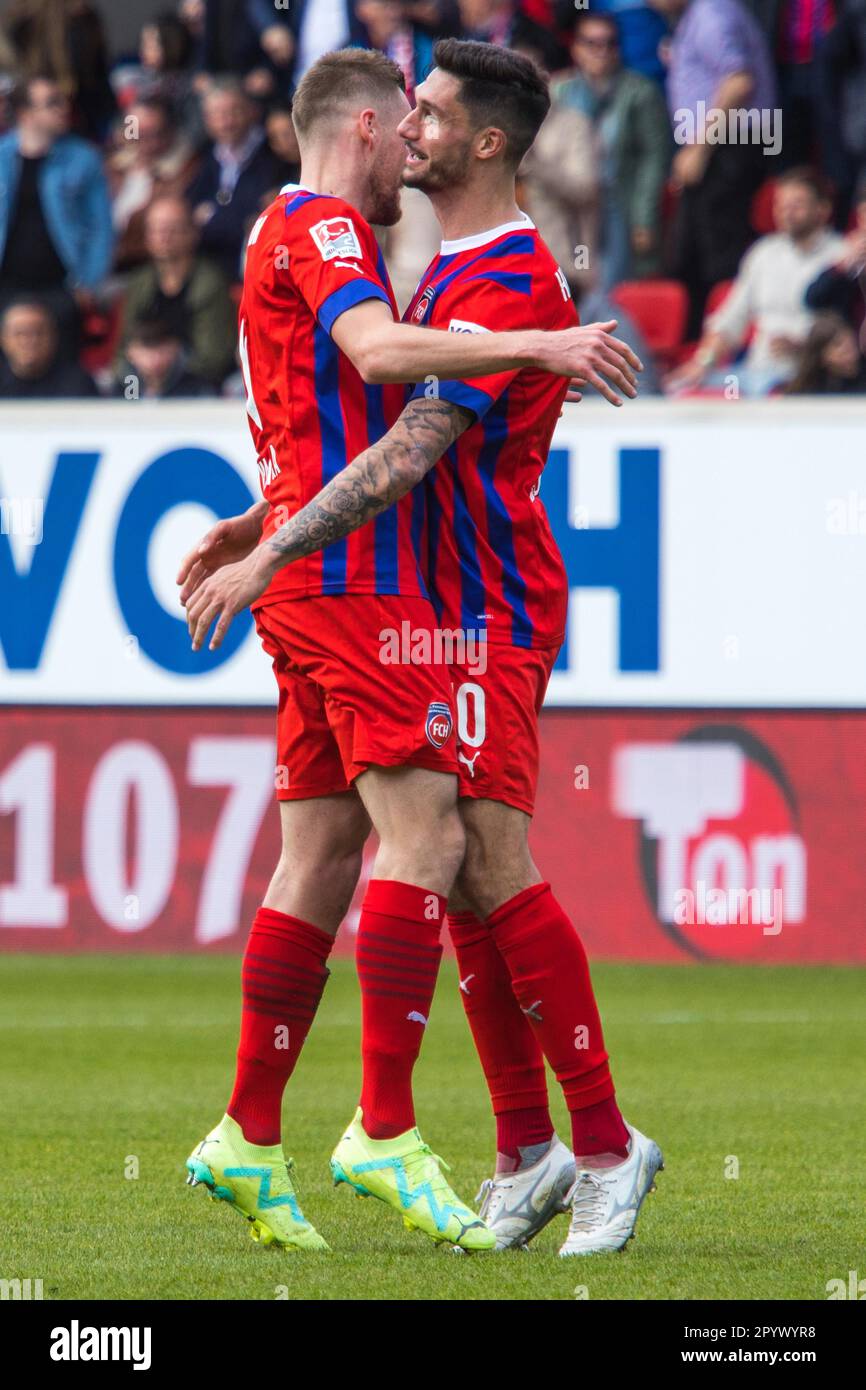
(462, 326)
(336, 236)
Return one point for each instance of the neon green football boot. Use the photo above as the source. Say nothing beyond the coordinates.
(405, 1174)
(258, 1182)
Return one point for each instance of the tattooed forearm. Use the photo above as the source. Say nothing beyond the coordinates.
(374, 480)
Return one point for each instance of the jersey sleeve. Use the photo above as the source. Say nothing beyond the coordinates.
(334, 259)
(483, 304)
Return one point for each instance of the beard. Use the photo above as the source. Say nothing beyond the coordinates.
(444, 171)
(385, 209)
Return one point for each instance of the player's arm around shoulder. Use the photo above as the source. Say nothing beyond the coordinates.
(385, 351)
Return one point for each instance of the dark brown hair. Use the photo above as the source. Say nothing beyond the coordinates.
(806, 177)
(348, 75)
(812, 375)
(498, 88)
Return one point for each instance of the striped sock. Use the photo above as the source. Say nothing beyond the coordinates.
(398, 954)
(282, 977)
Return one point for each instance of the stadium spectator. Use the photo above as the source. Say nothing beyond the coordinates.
(282, 140)
(831, 362)
(65, 39)
(489, 21)
(155, 365)
(163, 70)
(642, 30)
(719, 63)
(250, 38)
(55, 216)
(236, 173)
(844, 54)
(632, 131)
(322, 28)
(182, 290)
(154, 158)
(768, 293)
(842, 286)
(31, 366)
(795, 31)
(559, 182)
(388, 28)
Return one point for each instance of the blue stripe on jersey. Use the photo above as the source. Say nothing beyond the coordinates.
(459, 393)
(330, 412)
(434, 523)
(297, 200)
(385, 529)
(518, 245)
(346, 297)
(419, 517)
(508, 279)
(499, 529)
(472, 591)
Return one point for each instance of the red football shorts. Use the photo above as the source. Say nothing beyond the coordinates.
(345, 702)
(497, 723)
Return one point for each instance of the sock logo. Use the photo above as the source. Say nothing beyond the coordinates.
(464, 984)
(414, 1017)
(532, 1011)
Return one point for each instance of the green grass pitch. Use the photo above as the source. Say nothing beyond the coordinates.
(113, 1066)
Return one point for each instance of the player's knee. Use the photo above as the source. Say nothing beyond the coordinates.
(320, 883)
(427, 851)
(492, 872)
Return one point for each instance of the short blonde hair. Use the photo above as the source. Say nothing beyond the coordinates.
(337, 79)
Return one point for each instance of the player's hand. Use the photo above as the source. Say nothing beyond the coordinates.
(222, 596)
(224, 544)
(594, 355)
(574, 394)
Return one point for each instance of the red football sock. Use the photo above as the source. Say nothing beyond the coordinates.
(282, 978)
(550, 977)
(511, 1058)
(398, 954)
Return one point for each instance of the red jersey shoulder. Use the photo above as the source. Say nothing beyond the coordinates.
(320, 247)
(316, 225)
(496, 292)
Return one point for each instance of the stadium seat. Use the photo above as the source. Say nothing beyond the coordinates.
(717, 296)
(659, 309)
(100, 331)
(761, 211)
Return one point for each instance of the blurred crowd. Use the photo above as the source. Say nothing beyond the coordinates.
(701, 177)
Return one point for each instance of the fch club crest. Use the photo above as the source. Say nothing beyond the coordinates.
(439, 724)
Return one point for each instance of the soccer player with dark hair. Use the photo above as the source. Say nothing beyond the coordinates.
(359, 742)
(493, 562)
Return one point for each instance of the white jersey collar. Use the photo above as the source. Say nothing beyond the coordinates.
(468, 243)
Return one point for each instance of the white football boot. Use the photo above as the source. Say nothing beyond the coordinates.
(605, 1201)
(516, 1206)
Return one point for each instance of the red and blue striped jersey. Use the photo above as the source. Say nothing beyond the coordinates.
(310, 257)
(492, 563)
